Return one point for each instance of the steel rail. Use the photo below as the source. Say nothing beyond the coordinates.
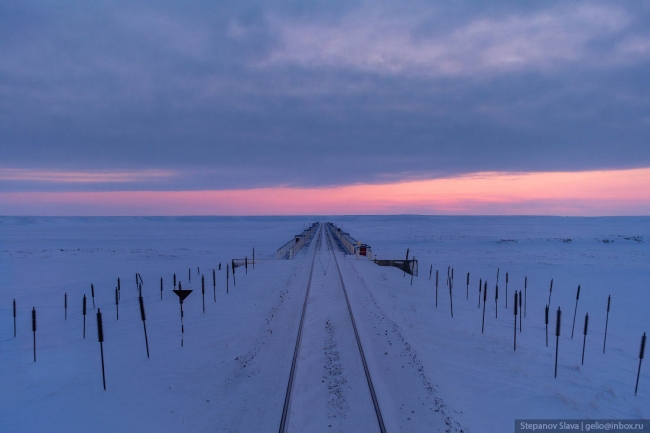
(294, 362)
(371, 388)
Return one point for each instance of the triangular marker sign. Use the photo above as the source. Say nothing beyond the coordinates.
(182, 293)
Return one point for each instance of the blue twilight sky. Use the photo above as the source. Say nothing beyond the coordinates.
(170, 95)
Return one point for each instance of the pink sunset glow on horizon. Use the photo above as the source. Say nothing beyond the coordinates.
(587, 193)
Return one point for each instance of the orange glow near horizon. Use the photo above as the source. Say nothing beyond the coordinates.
(590, 193)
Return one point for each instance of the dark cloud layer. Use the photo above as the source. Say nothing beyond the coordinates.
(242, 94)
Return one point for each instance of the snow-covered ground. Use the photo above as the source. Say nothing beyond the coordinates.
(231, 375)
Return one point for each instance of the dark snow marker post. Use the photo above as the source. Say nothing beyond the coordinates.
(525, 294)
(100, 338)
(174, 280)
(65, 306)
(584, 340)
(14, 318)
(451, 298)
(214, 283)
(557, 336)
(546, 323)
(638, 373)
(520, 310)
(506, 290)
(467, 287)
(550, 291)
(161, 287)
(182, 294)
(203, 292)
(496, 301)
(83, 311)
(227, 276)
(144, 323)
(480, 285)
(118, 287)
(609, 300)
(484, 302)
(436, 288)
(575, 311)
(515, 311)
(34, 329)
(430, 272)
(407, 258)
(92, 294)
(117, 304)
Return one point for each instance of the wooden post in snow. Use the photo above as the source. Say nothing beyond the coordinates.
(144, 323)
(506, 290)
(520, 310)
(451, 301)
(575, 311)
(83, 311)
(557, 336)
(515, 311)
(436, 288)
(34, 329)
(100, 338)
(638, 373)
(525, 294)
(546, 323)
(609, 300)
(584, 340)
(484, 302)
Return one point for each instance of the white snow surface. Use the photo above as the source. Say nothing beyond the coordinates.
(431, 372)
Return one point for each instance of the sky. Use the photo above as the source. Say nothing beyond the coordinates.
(327, 107)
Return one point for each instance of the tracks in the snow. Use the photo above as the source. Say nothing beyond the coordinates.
(294, 362)
(346, 362)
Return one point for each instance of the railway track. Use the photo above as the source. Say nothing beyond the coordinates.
(329, 370)
(294, 362)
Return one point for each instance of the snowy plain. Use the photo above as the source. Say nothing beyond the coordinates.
(433, 372)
